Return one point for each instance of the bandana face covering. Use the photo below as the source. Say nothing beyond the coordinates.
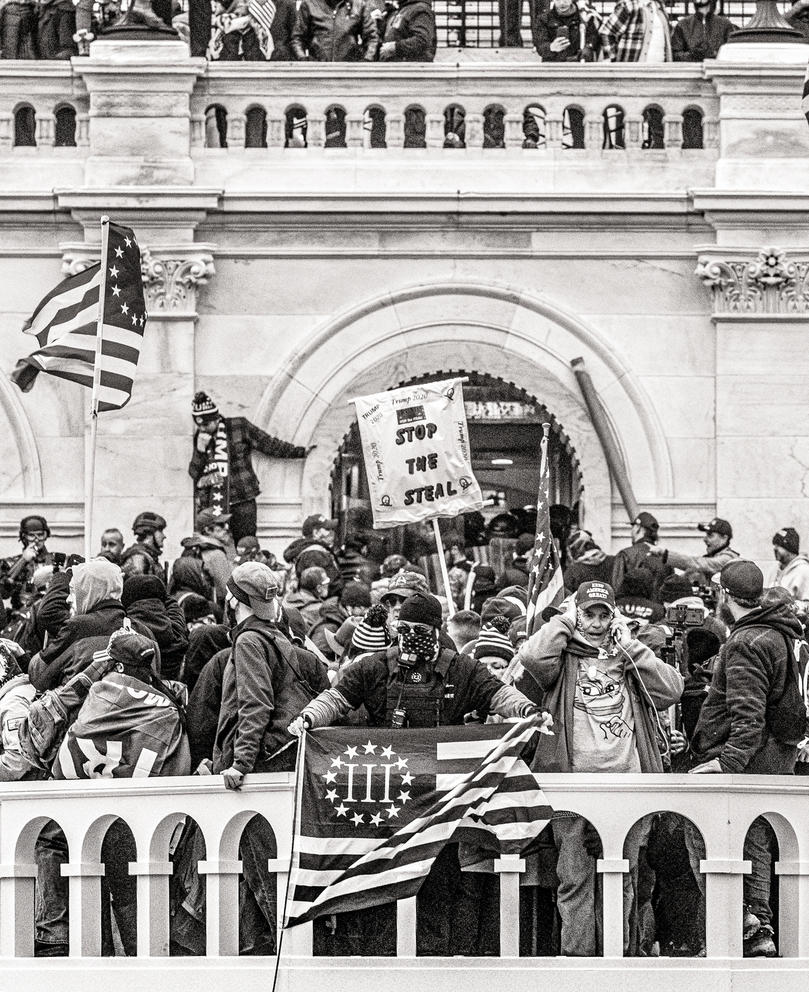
(417, 643)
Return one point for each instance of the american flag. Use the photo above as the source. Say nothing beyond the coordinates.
(65, 325)
(545, 584)
(262, 12)
(378, 805)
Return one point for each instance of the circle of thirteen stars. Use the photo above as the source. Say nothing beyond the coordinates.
(392, 811)
(137, 321)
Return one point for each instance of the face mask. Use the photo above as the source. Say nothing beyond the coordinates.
(417, 643)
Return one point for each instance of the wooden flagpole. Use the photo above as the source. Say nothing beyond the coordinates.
(89, 481)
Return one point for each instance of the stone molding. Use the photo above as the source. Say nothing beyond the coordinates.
(770, 281)
(171, 274)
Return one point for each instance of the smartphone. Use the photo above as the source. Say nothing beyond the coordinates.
(563, 32)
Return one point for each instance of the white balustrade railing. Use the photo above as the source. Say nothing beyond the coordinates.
(722, 808)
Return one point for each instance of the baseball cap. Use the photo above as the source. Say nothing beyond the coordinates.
(646, 520)
(316, 521)
(717, 526)
(593, 593)
(255, 585)
(742, 580)
(404, 585)
(209, 516)
(788, 539)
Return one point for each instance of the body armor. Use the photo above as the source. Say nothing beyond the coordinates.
(417, 692)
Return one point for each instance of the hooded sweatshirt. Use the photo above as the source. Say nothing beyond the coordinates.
(144, 598)
(548, 671)
(751, 669)
(794, 577)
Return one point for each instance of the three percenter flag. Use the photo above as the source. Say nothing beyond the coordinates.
(65, 325)
(378, 805)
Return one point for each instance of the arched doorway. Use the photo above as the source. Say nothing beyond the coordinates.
(505, 431)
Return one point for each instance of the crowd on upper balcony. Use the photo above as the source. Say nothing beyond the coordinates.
(126, 665)
(376, 30)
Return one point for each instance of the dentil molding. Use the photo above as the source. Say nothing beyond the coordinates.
(750, 281)
(171, 274)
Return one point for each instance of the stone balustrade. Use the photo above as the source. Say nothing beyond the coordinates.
(722, 809)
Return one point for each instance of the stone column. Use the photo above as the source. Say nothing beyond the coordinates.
(140, 116)
(760, 309)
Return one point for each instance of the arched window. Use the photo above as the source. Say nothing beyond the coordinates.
(255, 128)
(573, 127)
(613, 127)
(295, 127)
(25, 125)
(335, 127)
(216, 126)
(65, 127)
(374, 124)
(693, 134)
(533, 126)
(653, 127)
(494, 127)
(415, 128)
(454, 126)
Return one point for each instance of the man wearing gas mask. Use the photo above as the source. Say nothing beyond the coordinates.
(418, 683)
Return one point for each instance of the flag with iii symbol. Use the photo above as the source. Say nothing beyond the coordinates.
(378, 805)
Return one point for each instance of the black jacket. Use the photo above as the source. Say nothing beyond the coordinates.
(545, 33)
(343, 31)
(166, 620)
(54, 664)
(751, 670)
(306, 553)
(412, 29)
(693, 39)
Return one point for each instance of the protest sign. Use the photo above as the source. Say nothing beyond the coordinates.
(416, 447)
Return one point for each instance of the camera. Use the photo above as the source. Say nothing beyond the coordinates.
(684, 616)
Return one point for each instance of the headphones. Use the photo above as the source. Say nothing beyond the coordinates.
(24, 526)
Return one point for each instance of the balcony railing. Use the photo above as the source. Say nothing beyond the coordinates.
(721, 808)
(523, 105)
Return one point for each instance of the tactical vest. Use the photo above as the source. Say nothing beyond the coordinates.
(419, 690)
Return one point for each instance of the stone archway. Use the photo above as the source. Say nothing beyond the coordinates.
(520, 337)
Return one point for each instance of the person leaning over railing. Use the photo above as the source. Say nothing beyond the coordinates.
(603, 689)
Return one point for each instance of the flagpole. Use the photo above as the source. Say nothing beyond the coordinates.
(543, 466)
(442, 561)
(89, 483)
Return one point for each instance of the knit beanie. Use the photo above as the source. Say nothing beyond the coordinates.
(500, 606)
(371, 633)
(493, 640)
(788, 539)
(422, 607)
(203, 406)
(138, 587)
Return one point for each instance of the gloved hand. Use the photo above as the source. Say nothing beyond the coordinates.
(298, 725)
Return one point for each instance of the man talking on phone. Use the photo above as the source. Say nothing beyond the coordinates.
(603, 690)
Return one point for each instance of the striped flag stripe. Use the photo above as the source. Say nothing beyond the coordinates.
(498, 803)
(67, 294)
(83, 313)
(121, 358)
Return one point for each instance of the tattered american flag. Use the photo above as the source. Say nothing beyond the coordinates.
(378, 805)
(545, 584)
(65, 325)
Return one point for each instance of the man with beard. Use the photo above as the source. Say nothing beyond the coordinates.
(263, 687)
(417, 683)
(699, 569)
(793, 567)
(751, 722)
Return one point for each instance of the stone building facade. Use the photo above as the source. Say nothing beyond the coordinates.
(286, 280)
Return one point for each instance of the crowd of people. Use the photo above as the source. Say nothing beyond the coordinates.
(654, 661)
(377, 30)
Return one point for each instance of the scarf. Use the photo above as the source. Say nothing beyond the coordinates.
(219, 462)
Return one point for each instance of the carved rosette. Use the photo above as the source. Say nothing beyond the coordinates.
(769, 283)
(171, 275)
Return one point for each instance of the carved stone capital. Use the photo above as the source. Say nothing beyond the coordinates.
(171, 278)
(767, 281)
(171, 274)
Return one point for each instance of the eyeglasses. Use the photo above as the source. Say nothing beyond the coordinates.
(415, 628)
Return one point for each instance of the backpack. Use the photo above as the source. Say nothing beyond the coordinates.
(786, 717)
